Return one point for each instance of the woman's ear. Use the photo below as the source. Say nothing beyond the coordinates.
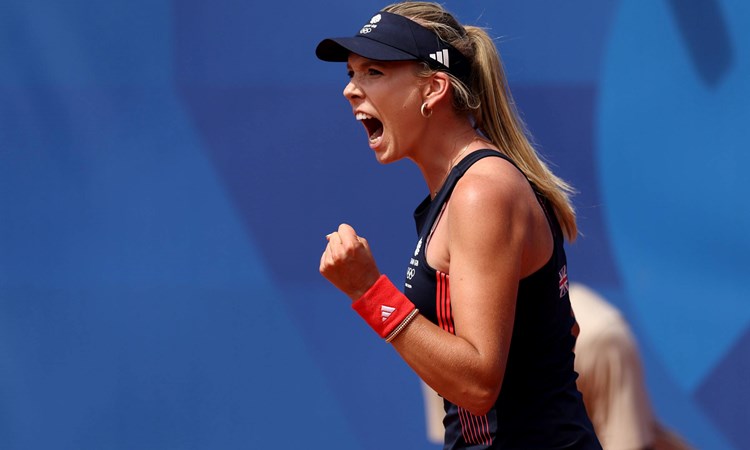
(436, 88)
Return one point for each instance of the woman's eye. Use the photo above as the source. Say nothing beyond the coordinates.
(370, 72)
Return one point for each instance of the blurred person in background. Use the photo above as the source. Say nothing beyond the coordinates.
(610, 377)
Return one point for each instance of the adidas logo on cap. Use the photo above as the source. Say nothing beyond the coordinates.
(441, 57)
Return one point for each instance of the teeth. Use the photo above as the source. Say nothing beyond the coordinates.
(363, 116)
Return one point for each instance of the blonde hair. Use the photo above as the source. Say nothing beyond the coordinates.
(488, 100)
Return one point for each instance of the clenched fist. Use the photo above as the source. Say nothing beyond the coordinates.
(347, 262)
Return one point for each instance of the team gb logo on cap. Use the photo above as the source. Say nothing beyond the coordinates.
(372, 25)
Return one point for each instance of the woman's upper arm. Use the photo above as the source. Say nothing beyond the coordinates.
(487, 226)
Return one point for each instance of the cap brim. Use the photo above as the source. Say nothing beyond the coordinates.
(338, 50)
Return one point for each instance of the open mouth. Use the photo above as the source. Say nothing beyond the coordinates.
(373, 126)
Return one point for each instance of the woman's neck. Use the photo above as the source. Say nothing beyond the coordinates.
(440, 155)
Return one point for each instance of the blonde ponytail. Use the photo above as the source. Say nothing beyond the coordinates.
(498, 119)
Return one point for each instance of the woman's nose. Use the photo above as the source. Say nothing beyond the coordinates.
(352, 91)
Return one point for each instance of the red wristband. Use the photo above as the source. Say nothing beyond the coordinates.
(383, 306)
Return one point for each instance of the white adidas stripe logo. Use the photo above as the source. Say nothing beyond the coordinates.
(386, 311)
(441, 57)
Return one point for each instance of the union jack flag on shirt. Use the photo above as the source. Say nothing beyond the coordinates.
(563, 280)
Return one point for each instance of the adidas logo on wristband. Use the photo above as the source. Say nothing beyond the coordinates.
(375, 307)
(385, 312)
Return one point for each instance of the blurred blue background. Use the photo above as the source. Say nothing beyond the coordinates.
(168, 172)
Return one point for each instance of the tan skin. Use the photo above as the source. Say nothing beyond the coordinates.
(486, 255)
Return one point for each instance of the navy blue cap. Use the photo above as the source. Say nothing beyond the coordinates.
(392, 37)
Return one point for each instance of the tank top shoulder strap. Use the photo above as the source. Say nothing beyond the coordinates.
(460, 169)
(429, 210)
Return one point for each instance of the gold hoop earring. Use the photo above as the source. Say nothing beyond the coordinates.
(422, 111)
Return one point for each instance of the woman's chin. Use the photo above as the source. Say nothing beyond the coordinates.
(376, 143)
(384, 151)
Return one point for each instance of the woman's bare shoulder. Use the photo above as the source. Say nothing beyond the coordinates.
(492, 181)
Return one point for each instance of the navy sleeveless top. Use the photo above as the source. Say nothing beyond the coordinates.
(539, 405)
